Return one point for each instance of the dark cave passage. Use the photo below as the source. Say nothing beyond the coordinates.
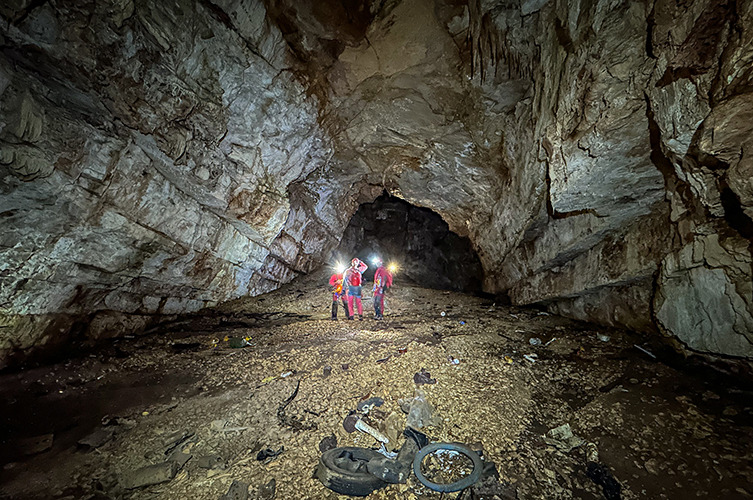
(417, 240)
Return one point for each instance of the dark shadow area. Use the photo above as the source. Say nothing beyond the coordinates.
(417, 240)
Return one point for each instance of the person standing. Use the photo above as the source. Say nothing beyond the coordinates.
(382, 283)
(352, 277)
(338, 294)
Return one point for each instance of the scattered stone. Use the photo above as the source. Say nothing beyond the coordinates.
(36, 444)
(267, 491)
(344, 366)
(592, 452)
(349, 423)
(97, 438)
(328, 443)
(327, 371)
(211, 462)
(237, 491)
(149, 475)
(173, 439)
(393, 426)
(423, 377)
(730, 411)
(563, 439)
(224, 426)
(602, 476)
(179, 457)
(489, 487)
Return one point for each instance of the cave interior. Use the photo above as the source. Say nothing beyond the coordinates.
(563, 191)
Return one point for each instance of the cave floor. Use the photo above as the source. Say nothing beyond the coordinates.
(662, 433)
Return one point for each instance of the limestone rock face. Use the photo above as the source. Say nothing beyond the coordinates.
(145, 169)
(158, 158)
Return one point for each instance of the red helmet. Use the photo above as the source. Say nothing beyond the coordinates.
(355, 262)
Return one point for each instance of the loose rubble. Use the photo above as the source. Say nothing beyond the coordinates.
(586, 420)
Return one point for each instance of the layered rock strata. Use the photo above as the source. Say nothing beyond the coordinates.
(159, 158)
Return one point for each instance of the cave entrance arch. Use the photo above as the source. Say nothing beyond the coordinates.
(417, 240)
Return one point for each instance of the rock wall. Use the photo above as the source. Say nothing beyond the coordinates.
(147, 153)
(160, 158)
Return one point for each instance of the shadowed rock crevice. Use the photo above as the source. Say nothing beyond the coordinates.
(415, 239)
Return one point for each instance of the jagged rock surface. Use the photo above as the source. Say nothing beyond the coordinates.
(159, 158)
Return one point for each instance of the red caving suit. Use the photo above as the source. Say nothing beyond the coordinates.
(382, 282)
(339, 291)
(352, 277)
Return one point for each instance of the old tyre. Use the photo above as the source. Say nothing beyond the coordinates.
(467, 481)
(344, 470)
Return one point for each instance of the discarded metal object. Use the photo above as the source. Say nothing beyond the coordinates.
(327, 371)
(367, 405)
(534, 341)
(644, 351)
(268, 454)
(602, 337)
(532, 358)
(395, 470)
(463, 483)
(553, 339)
(387, 453)
(364, 427)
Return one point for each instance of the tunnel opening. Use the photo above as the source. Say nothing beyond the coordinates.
(417, 240)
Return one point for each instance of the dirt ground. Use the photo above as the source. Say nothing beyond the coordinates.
(661, 432)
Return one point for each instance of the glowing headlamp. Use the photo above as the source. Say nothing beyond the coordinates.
(392, 267)
(340, 268)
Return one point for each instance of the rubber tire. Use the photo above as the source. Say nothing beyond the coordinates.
(343, 481)
(467, 481)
